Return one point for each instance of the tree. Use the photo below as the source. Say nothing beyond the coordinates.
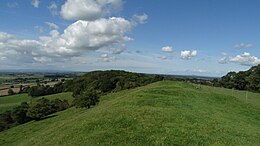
(19, 113)
(11, 92)
(59, 105)
(40, 109)
(243, 80)
(6, 120)
(87, 99)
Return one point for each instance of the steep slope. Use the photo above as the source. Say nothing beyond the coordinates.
(162, 113)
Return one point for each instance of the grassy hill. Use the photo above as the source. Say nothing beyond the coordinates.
(9, 102)
(162, 113)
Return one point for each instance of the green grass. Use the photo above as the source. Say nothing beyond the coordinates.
(163, 113)
(9, 102)
(252, 98)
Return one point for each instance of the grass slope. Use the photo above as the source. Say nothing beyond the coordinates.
(163, 113)
(9, 102)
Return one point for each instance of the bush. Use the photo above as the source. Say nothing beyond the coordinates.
(19, 114)
(87, 99)
(59, 105)
(40, 109)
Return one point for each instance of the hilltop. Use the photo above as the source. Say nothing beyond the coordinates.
(161, 113)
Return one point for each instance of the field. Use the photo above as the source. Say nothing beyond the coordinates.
(162, 113)
(244, 96)
(8, 102)
(15, 80)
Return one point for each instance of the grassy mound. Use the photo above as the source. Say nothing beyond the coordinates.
(162, 113)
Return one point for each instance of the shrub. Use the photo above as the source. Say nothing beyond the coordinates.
(87, 99)
(40, 109)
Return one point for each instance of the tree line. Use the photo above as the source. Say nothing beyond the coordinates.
(242, 80)
(35, 110)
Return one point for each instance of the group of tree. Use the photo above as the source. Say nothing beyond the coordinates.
(41, 90)
(36, 110)
(88, 88)
(242, 80)
(98, 82)
(109, 81)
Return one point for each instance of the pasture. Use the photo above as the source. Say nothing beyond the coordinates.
(162, 113)
(9, 102)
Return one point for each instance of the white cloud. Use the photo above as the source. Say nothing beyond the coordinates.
(42, 59)
(35, 3)
(196, 71)
(140, 18)
(245, 59)
(53, 8)
(19, 51)
(118, 50)
(39, 29)
(106, 58)
(52, 25)
(89, 9)
(104, 55)
(93, 35)
(243, 46)
(187, 54)
(225, 59)
(4, 36)
(77, 40)
(163, 57)
(167, 49)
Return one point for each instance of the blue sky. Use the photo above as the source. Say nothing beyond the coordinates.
(206, 37)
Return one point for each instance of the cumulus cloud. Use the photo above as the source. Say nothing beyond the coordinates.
(140, 18)
(89, 9)
(245, 59)
(167, 49)
(19, 51)
(52, 25)
(53, 8)
(243, 46)
(90, 35)
(76, 38)
(187, 54)
(5, 36)
(35, 3)
(90, 32)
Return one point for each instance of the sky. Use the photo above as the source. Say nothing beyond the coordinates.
(183, 37)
